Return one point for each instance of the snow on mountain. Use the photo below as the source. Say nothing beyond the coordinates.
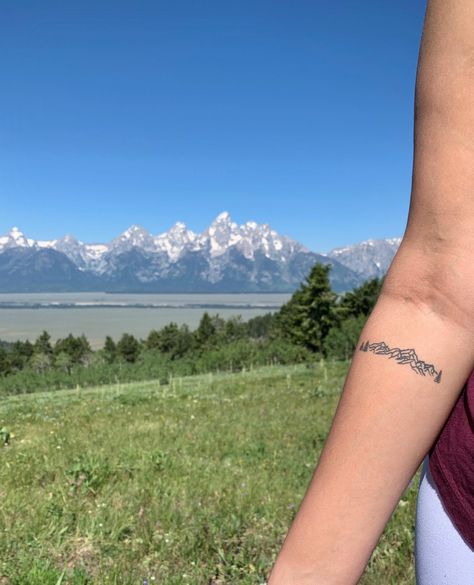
(222, 235)
(175, 241)
(249, 256)
(274, 246)
(95, 251)
(14, 239)
(135, 237)
(42, 243)
(370, 258)
(71, 247)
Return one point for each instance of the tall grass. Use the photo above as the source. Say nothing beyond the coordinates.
(192, 481)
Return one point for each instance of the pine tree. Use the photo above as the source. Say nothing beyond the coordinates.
(20, 354)
(5, 365)
(169, 335)
(43, 344)
(319, 303)
(206, 331)
(77, 348)
(341, 341)
(109, 350)
(311, 312)
(128, 347)
(153, 340)
(361, 300)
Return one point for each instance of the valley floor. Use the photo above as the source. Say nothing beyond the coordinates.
(192, 482)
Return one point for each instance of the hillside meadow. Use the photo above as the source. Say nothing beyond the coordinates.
(191, 482)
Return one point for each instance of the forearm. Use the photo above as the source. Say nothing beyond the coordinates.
(386, 420)
(389, 415)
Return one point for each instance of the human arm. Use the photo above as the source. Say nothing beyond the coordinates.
(389, 415)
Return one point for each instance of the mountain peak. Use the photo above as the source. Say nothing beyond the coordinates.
(370, 257)
(226, 257)
(179, 226)
(135, 230)
(135, 236)
(223, 217)
(69, 238)
(15, 237)
(15, 233)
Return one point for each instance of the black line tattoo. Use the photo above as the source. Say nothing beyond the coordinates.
(403, 356)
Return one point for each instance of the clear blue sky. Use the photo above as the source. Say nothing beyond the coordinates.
(294, 113)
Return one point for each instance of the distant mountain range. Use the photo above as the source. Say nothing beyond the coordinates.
(226, 257)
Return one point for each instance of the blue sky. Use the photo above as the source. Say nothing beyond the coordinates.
(294, 113)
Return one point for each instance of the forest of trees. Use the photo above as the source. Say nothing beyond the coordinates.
(315, 323)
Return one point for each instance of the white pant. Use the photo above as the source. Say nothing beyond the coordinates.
(442, 556)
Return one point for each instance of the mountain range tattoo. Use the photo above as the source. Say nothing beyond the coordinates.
(403, 356)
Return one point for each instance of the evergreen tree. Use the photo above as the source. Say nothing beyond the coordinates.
(261, 326)
(20, 354)
(218, 323)
(128, 348)
(173, 340)
(77, 348)
(185, 341)
(361, 300)
(234, 328)
(206, 331)
(109, 350)
(290, 317)
(311, 312)
(5, 365)
(177, 342)
(168, 338)
(153, 340)
(341, 341)
(43, 344)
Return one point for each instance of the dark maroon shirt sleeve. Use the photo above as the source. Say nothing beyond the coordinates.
(451, 461)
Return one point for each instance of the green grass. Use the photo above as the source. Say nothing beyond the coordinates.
(193, 482)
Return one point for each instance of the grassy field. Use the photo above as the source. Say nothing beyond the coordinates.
(194, 482)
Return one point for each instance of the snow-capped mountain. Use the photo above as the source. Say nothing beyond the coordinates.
(14, 239)
(175, 241)
(370, 258)
(84, 256)
(216, 240)
(226, 257)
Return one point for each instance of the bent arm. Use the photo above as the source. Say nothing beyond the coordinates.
(389, 414)
(392, 408)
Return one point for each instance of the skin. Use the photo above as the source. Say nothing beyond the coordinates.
(390, 414)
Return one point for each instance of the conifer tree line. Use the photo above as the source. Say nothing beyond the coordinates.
(315, 323)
